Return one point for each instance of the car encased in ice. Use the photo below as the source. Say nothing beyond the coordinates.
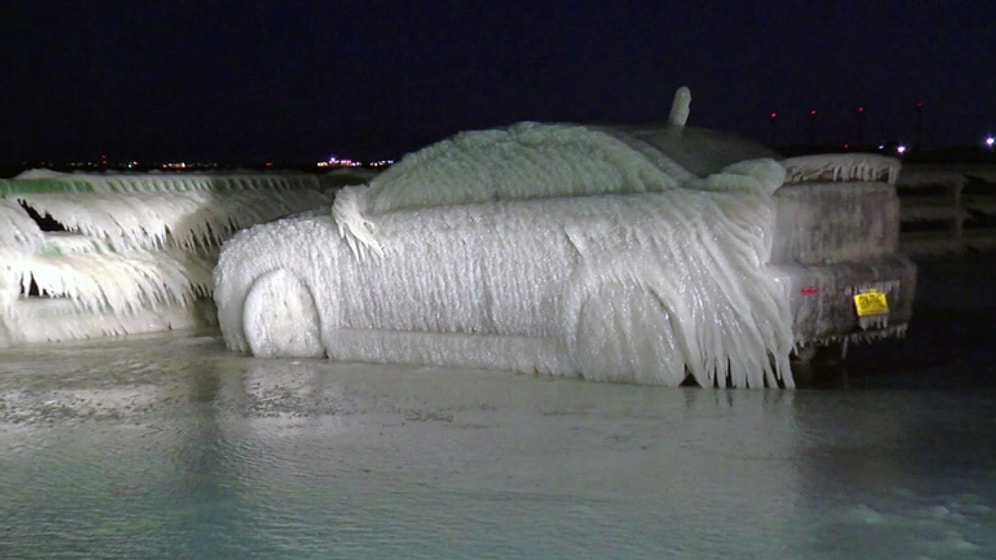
(650, 255)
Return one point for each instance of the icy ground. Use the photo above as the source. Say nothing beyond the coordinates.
(169, 447)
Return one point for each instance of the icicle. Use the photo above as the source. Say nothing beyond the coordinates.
(358, 231)
(841, 168)
(169, 219)
(17, 229)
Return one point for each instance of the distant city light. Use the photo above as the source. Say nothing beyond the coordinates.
(334, 161)
(900, 149)
(990, 141)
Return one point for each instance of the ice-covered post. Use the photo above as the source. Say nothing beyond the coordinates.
(680, 107)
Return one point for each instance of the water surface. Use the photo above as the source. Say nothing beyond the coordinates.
(170, 448)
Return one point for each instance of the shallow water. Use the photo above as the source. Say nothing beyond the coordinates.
(170, 447)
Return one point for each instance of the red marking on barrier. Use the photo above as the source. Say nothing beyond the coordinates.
(809, 290)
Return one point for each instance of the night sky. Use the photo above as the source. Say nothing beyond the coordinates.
(299, 80)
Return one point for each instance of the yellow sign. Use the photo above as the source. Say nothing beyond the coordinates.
(872, 302)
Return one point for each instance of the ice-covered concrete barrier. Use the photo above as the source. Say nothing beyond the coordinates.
(85, 255)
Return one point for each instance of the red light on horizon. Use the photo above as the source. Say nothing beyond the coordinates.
(812, 113)
(772, 116)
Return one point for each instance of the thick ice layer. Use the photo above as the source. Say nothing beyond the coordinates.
(841, 167)
(823, 223)
(761, 176)
(527, 160)
(633, 288)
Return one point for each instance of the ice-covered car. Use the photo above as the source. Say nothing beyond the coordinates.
(88, 255)
(648, 255)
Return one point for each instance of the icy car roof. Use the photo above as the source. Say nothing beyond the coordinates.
(699, 150)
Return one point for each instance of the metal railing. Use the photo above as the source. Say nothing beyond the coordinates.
(947, 208)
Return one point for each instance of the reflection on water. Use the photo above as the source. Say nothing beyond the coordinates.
(167, 447)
